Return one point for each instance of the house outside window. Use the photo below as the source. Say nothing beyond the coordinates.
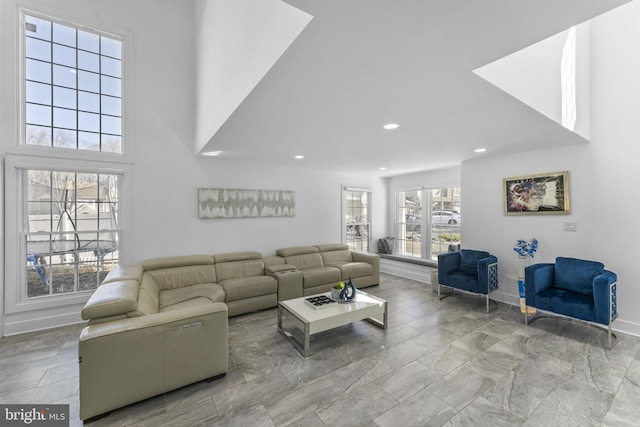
(427, 221)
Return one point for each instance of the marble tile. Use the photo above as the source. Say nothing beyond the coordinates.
(545, 416)
(625, 408)
(475, 342)
(308, 397)
(60, 373)
(407, 380)
(515, 394)
(587, 404)
(420, 409)
(401, 354)
(460, 387)
(446, 359)
(482, 413)
(493, 363)
(359, 374)
(360, 407)
(255, 417)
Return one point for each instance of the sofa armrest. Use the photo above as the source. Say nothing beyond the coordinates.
(128, 360)
(112, 299)
(373, 259)
(447, 263)
(124, 272)
(279, 268)
(602, 290)
(488, 279)
(537, 278)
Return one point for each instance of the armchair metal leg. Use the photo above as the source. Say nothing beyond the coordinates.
(526, 315)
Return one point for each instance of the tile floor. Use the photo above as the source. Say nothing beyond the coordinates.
(438, 364)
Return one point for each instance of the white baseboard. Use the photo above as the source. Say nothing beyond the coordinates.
(419, 273)
(23, 326)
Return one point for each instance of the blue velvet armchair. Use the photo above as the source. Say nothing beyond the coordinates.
(572, 287)
(469, 271)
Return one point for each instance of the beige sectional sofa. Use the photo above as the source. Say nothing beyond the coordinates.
(162, 324)
(322, 266)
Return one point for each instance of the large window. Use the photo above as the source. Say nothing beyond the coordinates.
(72, 86)
(357, 218)
(427, 222)
(64, 196)
(70, 230)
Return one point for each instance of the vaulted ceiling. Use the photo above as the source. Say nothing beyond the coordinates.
(362, 63)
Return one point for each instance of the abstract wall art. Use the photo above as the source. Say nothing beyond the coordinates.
(546, 193)
(237, 203)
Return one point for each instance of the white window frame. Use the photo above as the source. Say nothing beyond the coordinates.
(364, 189)
(22, 156)
(15, 295)
(128, 120)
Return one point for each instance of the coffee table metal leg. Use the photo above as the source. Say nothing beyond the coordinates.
(382, 324)
(307, 340)
(303, 346)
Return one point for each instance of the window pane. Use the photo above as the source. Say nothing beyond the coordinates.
(111, 86)
(64, 138)
(38, 115)
(38, 93)
(111, 47)
(64, 76)
(63, 97)
(89, 102)
(38, 71)
(89, 141)
(111, 144)
(88, 81)
(88, 61)
(64, 55)
(111, 67)
(111, 125)
(89, 122)
(38, 49)
(64, 118)
(36, 27)
(111, 105)
(38, 135)
(64, 34)
(63, 278)
(88, 41)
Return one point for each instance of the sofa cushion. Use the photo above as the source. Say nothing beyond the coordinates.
(320, 276)
(247, 287)
(464, 281)
(303, 262)
(178, 277)
(195, 302)
(212, 291)
(569, 303)
(469, 260)
(336, 257)
(112, 299)
(354, 270)
(238, 269)
(576, 274)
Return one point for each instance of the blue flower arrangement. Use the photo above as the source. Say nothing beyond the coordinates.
(526, 249)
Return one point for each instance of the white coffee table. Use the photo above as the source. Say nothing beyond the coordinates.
(311, 321)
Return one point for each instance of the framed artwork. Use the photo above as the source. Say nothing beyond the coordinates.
(542, 194)
(233, 203)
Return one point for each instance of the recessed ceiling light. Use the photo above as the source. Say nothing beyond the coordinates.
(299, 156)
(480, 150)
(391, 126)
(212, 153)
(383, 168)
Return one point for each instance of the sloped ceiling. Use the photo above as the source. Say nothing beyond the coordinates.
(362, 63)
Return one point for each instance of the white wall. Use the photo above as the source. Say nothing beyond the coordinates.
(238, 42)
(602, 178)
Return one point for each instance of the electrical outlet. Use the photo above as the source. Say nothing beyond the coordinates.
(570, 226)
